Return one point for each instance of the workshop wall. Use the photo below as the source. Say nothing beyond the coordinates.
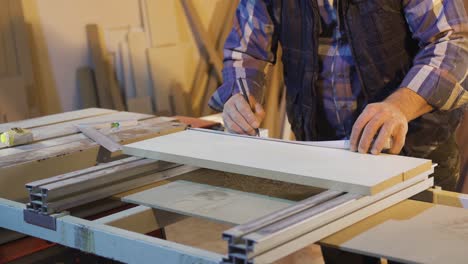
(64, 26)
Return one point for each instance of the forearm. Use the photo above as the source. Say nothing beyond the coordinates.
(410, 103)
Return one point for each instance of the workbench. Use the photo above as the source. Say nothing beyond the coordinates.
(416, 230)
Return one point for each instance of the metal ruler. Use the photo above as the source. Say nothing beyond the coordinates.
(100, 138)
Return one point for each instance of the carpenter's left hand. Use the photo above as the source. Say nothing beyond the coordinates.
(382, 121)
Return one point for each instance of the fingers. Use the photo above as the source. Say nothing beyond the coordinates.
(247, 114)
(369, 133)
(231, 126)
(379, 123)
(399, 138)
(239, 117)
(385, 135)
(358, 127)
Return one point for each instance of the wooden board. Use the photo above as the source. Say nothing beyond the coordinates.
(7, 36)
(436, 233)
(137, 45)
(169, 67)
(98, 53)
(23, 52)
(57, 118)
(69, 127)
(114, 88)
(87, 87)
(46, 89)
(42, 163)
(203, 39)
(313, 166)
(127, 71)
(179, 100)
(213, 203)
(13, 99)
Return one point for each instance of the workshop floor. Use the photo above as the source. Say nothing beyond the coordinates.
(207, 235)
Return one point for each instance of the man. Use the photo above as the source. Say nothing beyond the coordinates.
(365, 70)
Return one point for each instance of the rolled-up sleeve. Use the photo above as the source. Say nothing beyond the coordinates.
(441, 66)
(249, 49)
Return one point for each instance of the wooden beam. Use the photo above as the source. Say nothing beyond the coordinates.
(87, 87)
(24, 53)
(13, 99)
(99, 53)
(21, 168)
(6, 29)
(57, 118)
(168, 67)
(114, 88)
(46, 90)
(137, 45)
(204, 41)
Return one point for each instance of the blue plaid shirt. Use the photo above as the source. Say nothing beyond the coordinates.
(438, 73)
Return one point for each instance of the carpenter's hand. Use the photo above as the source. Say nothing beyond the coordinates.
(239, 117)
(384, 119)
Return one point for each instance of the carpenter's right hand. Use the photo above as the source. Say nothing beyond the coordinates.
(239, 117)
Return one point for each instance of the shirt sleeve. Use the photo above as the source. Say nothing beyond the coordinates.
(440, 67)
(249, 49)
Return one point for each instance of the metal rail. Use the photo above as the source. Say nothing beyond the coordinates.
(260, 239)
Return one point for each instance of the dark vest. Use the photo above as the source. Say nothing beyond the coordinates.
(383, 50)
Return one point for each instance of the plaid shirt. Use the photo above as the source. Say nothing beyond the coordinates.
(438, 73)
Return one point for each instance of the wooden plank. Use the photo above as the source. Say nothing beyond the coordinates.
(3, 65)
(13, 98)
(57, 118)
(163, 24)
(127, 69)
(68, 128)
(137, 45)
(204, 40)
(142, 105)
(307, 165)
(6, 28)
(99, 53)
(60, 159)
(46, 90)
(114, 88)
(24, 55)
(71, 138)
(87, 87)
(179, 100)
(428, 228)
(213, 203)
(205, 78)
(169, 67)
